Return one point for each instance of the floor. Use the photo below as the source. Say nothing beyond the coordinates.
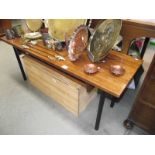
(25, 110)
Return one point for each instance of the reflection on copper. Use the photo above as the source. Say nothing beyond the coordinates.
(78, 43)
(90, 68)
(117, 70)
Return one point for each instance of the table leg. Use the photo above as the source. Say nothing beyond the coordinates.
(144, 47)
(19, 62)
(113, 101)
(100, 107)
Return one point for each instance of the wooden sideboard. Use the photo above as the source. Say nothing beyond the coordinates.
(143, 111)
(4, 24)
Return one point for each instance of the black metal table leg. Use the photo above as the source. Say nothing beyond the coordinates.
(144, 47)
(100, 107)
(19, 62)
(113, 100)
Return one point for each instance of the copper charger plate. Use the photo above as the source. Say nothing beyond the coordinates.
(103, 39)
(78, 42)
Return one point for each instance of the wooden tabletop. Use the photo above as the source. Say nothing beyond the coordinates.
(103, 79)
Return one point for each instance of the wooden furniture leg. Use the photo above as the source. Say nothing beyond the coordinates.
(125, 45)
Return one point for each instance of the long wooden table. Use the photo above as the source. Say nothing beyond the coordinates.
(103, 80)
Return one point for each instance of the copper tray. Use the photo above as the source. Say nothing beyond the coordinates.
(103, 39)
(78, 42)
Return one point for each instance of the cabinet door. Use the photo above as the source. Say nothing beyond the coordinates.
(143, 111)
(148, 90)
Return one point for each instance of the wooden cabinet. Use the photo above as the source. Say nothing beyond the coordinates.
(143, 111)
(71, 93)
(4, 24)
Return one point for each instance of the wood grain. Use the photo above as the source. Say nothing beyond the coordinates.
(103, 80)
(71, 94)
(143, 110)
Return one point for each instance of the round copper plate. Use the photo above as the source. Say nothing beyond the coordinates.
(117, 70)
(90, 68)
(78, 42)
(103, 39)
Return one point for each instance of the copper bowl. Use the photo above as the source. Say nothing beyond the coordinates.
(117, 70)
(90, 68)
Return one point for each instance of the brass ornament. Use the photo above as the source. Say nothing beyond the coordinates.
(103, 39)
(34, 24)
(59, 28)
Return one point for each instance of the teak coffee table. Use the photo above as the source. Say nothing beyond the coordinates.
(104, 80)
